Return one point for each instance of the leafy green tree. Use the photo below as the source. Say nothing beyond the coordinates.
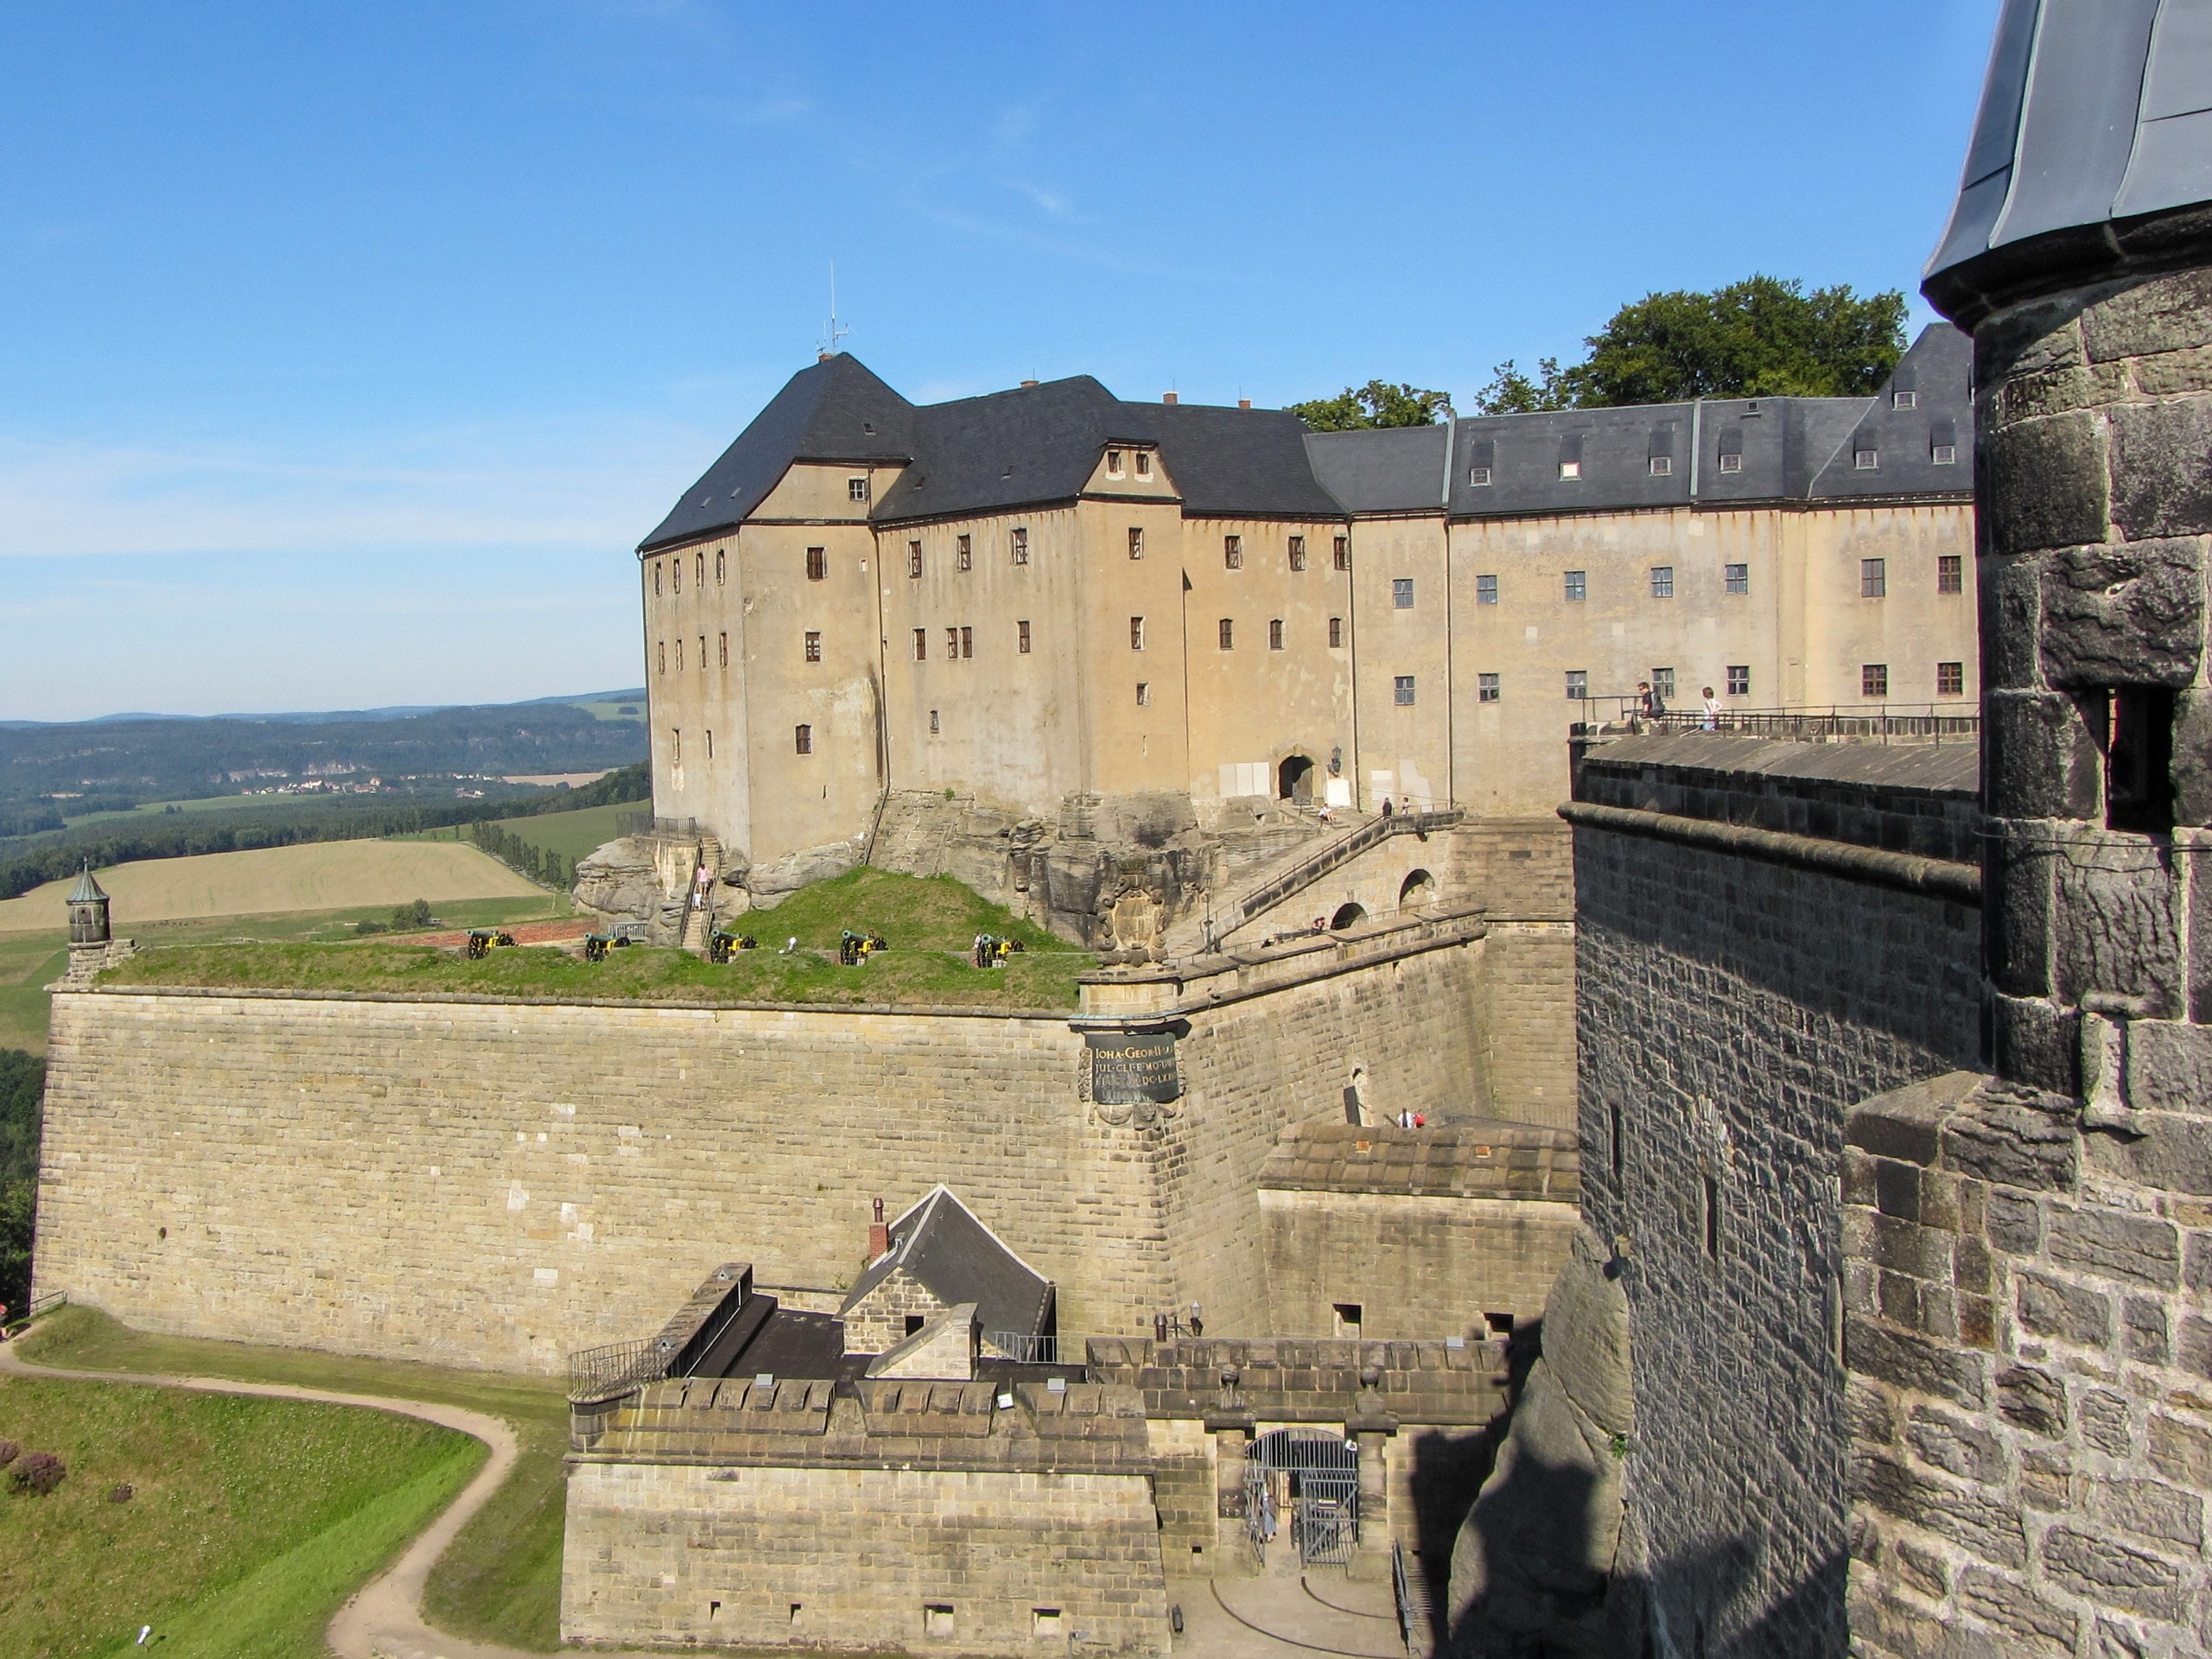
(1763, 337)
(1376, 404)
(18, 1221)
(22, 1093)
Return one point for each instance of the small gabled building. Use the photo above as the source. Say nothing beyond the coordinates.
(939, 1256)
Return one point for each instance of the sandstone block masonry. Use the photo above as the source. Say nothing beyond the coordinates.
(1731, 1008)
(479, 1183)
(2029, 1411)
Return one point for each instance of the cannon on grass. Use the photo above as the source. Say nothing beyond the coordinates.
(722, 943)
(482, 941)
(854, 949)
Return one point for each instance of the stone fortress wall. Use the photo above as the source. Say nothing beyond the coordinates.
(495, 1183)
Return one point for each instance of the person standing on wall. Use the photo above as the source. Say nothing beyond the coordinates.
(1712, 722)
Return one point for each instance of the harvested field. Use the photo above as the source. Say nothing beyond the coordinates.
(323, 875)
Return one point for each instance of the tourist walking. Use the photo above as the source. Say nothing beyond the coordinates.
(1711, 722)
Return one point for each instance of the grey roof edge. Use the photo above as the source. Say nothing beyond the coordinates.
(2090, 158)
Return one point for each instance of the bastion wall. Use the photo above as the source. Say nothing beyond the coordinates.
(496, 1184)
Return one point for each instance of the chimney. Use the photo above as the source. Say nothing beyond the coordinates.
(1166, 397)
(1244, 403)
(822, 357)
(879, 1236)
(1029, 383)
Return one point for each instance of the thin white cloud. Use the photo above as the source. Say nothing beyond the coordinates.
(1057, 203)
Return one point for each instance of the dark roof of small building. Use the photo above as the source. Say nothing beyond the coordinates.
(2092, 111)
(87, 889)
(1385, 469)
(957, 1259)
(1944, 768)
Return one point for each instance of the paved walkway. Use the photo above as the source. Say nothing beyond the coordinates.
(1283, 1613)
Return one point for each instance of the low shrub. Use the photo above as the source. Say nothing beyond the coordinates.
(8, 1453)
(38, 1471)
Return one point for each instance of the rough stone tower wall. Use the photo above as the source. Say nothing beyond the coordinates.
(2031, 1335)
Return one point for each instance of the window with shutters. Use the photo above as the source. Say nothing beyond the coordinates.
(1950, 573)
(818, 563)
(1343, 552)
(921, 645)
(1950, 679)
(1874, 680)
(813, 647)
(963, 552)
(1113, 463)
(805, 736)
(914, 558)
(1144, 463)
(1297, 552)
(1335, 634)
(952, 645)
(1659, 451)
(1275, 634)
(1022, 545)
(1232, 552)
(1227, 634)
(1136, 540)
(967, 642)
(1137, 633)
(1144, 693)
(1021, 637)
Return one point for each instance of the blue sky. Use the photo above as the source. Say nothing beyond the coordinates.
(346, 349)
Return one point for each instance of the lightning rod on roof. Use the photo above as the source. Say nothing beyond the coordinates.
(827, 347)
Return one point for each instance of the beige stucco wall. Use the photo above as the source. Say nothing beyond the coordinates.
(1404, 752)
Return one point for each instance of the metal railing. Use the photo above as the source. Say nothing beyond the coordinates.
(644, 823)
(598, 1375)
(1919, 722)
(1312, 868)
(1028, 1350)
(39, 1305)
(1402, 1594)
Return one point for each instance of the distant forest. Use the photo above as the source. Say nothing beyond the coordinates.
(111, 765)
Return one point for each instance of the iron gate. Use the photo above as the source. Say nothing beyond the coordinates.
(1323, 1476)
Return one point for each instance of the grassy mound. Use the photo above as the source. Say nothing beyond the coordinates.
(500, 1581)
(249, 1522)
(930, 923)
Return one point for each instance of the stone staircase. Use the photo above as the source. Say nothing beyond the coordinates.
(914, 831)
(1289, 873)
(697, 924)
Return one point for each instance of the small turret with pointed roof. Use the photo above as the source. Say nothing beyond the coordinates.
(88, 923)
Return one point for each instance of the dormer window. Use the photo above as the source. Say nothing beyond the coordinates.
(1904, 400)
(1866, 461)
(1570, 455)
(1113, 463)
(1144, 463)
(1478, 477)
(1943, 443)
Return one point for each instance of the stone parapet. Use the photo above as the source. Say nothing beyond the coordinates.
(1318, 1381)
(1482, 1157)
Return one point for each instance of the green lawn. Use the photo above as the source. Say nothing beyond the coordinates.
(250, 1521)
(572, 835)
(501, 1579)
(29, 963)
(930, 922)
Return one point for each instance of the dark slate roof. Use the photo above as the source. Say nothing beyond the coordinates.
(1236, 460)
(835, 411)
(959, 1260)
(1007, 449)
(1791, 448)
(1944, 768)
(2092, 111)
(87, 889)
(1391, 469)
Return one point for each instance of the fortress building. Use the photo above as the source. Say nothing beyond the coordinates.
(1050, 594)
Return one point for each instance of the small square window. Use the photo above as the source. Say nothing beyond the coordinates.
(1874, 578)
(1874, 680)
(1486, 590)
(1662, 466)
(804, 736)
(1275, 634)
(963, 552)
(1144, 463)
(1297, 552)
(1740, 679)
(1570, 469)
(1022, 545)
(1349, 1315)
(1663, 582)
(1137, 633)
(1045, 1621)
(1401, 690)
(1232, 552)
(1943, 454)
(1662, 685)
(914, 558)
(1866, 461)
(921, 645)
(1950, 679)
(818, 563)
(1144, 693)
(813, 647)
(1738, 577)
(1227, 634)
(1950, 573)
(1904, 399)
(857, 489)
(1577, 585)
(1478, 477)
(1401, 593)
(1335, 634)
(1343, 552)
(937, 1619)
(1113, 463)
(1578, 685)
(1136, 540)
(1732, 461)
(1021, 637)
(1486, 688)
